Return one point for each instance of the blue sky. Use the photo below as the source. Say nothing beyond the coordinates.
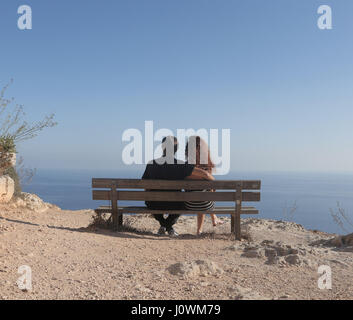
(261, 68)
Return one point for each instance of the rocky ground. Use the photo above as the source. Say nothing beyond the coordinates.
(71, 260)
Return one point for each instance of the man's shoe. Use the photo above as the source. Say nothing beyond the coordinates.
(172, 233)
(161, 231)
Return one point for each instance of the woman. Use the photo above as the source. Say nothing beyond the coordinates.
(198, 153)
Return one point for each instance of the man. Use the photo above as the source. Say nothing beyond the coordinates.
(169, 168)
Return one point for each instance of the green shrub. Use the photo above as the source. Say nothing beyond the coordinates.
(7, 145)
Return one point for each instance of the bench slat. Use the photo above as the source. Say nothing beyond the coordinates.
(216, 210)
(176, 184)
(174, 196)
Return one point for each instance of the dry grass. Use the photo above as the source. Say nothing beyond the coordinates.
(101, 221)
(129, 227)
(341, 219)
(104, 221)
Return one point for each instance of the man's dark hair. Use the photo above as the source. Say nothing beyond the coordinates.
(168, 143)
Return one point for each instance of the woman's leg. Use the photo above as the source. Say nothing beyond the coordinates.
(200, 221)
(215, 220)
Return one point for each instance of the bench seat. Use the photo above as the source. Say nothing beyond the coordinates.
(215, 210)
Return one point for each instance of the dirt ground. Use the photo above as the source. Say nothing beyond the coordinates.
(68, 260)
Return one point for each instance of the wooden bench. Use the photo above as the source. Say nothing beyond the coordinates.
(120, 189)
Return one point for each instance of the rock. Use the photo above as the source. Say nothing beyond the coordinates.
(340, 241)
(204, 284)
(252, 252)
(274, 260)
(283, 250)
(143, 289)
(308, 262)
(32, 202)
(195, 268)
(269, 253)
(267, 242)
(7, 189)
(241, 293)
(233, 247)
(282, 254)
(293, 259)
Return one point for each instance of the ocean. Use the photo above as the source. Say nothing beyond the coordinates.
(305, 198)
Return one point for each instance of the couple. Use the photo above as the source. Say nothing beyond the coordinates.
(198, 167)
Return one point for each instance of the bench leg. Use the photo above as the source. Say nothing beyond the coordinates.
(115, 211)
(236, 226)
(236, 217)
(115, 221)
(232, 223)
(119, 220)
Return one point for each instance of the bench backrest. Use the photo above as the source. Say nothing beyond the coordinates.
(117, 189)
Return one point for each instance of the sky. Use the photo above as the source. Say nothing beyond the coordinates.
(262, 69)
